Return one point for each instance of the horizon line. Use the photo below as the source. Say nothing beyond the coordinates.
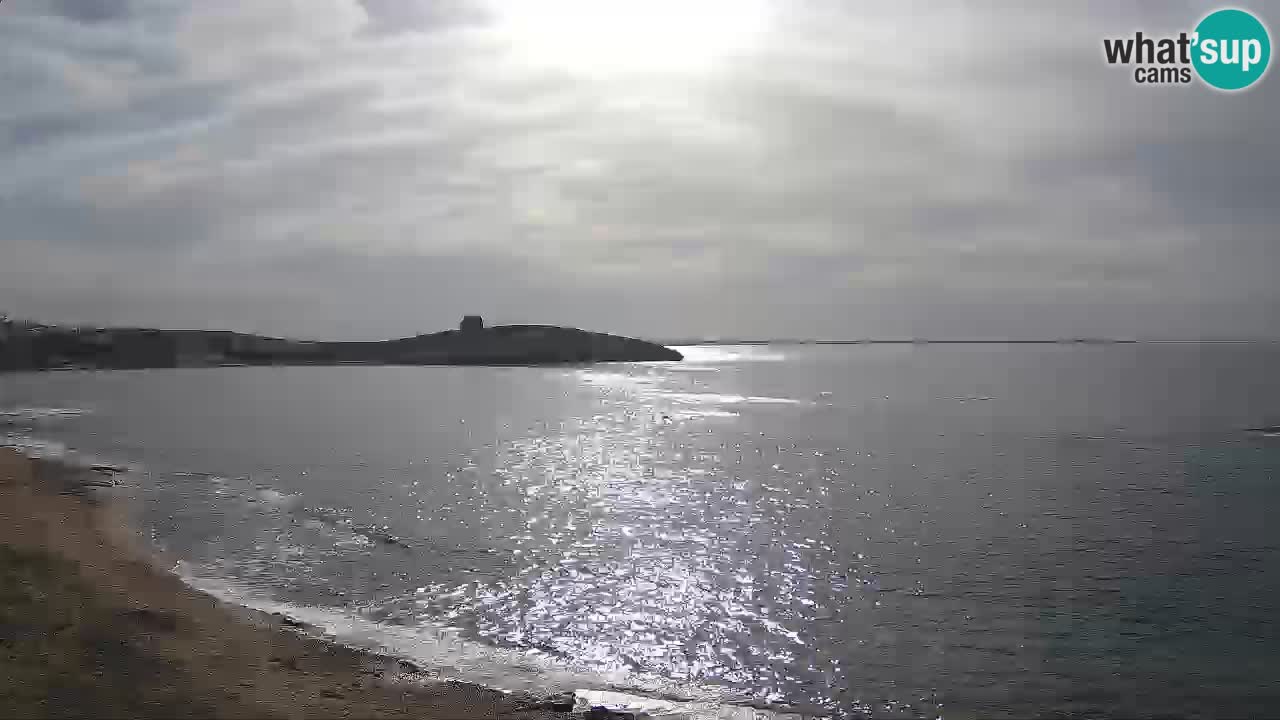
(955, 341)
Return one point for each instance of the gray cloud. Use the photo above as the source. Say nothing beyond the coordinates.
(91, 11)
(359, 169)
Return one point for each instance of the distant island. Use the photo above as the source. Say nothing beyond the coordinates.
(34, 346)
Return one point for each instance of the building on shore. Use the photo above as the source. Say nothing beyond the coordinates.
(471, 323)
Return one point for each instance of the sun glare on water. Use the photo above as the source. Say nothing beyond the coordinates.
(621, 36)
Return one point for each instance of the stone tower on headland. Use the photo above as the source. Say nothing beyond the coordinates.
(471, 323)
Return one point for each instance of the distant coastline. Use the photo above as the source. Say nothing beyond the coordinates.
(900, 341)
(959, 341)
(34, 346)
(26, 345)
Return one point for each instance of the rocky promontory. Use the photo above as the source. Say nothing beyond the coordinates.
(504, 345)
(30, 346)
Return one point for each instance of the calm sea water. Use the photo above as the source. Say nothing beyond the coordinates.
(897, 530)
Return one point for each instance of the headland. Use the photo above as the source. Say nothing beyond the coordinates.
(32, 346)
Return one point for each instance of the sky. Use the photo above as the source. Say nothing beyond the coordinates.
(359, 169)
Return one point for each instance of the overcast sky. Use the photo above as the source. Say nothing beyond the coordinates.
(370, 168)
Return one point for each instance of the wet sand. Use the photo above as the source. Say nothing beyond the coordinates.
(90, 628)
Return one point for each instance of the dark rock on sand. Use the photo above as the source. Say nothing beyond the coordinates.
(287, 621)
(564, 702)
(604, 713)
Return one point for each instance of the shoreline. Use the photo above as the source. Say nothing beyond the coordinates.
(90, 627)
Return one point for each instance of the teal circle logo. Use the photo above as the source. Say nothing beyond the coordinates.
(1232, 49)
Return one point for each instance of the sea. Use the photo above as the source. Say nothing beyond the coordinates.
(873, 530)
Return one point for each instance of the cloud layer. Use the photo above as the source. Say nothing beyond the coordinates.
(362, 169)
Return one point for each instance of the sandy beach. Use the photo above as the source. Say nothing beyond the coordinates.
(89, 627)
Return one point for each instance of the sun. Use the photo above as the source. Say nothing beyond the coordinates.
(624, 36)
